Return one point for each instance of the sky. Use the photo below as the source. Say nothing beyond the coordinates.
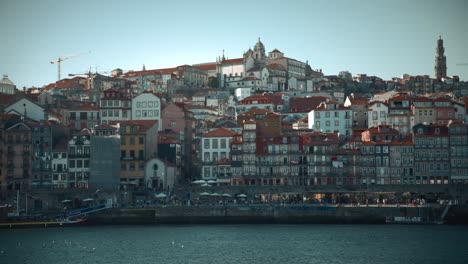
(376, 37)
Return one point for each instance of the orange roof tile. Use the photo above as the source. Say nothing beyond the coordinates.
(220, 132)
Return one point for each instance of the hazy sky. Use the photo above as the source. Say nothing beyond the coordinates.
(383, 38)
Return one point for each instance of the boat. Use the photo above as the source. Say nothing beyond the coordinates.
(53, 223)
(415, 220)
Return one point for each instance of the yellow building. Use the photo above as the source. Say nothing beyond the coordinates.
(138, 145)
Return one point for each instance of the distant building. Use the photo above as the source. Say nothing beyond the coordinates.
(7, 86)
(440, 67)
(147, 106)
(114, 106)
(79, 154)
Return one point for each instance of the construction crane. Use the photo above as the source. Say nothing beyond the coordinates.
(60, 59)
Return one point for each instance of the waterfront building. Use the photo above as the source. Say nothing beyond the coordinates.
(170, 151)
(160, 175)
(440, 67)
(138, 145)
(178, 119)
(59, 164)
(46, 137)
(330, 117)
(458, 142)
(367, 162)
(114, 106)
(147, 106)
(320, 153)
(7, 86)
(402, 161)
(105, 158)
(79, 154)
(16, 156)
(216, 146)
(431, 154)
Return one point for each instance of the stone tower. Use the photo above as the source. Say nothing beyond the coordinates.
(440, 60)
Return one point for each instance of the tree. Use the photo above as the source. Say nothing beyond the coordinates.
(213, 82)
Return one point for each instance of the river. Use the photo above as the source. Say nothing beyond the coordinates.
(236, 244)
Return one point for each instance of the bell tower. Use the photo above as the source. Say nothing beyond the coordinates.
(440, 67)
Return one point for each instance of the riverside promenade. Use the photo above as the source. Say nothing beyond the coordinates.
(263, 213)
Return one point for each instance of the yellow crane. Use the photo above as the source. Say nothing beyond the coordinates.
(59, 60)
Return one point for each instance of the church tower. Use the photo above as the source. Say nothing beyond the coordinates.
(440, 60)
(259, 50)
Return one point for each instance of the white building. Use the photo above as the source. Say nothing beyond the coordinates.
(377, 114)
(147, 106)
(6, 86)
(330, 117)
(215, 146)
(24, 107)
(60, 167)
(160, 175)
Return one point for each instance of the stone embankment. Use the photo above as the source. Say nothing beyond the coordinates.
(273, 214)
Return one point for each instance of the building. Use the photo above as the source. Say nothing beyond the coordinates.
(105, 158)
(7, 86)
(458, 141)
(176, 118)
(330, 117)
(81, 116)
(440, 67)
(402, 161)
(400, 114)
(24, 107)
(114, 106)
(138, 144)
(359, 107)
(431, 154)
(160, 175)
(59, 165)
(79, 155)
(147, 106)
(377, 113)
(16, 155)
(216, 146)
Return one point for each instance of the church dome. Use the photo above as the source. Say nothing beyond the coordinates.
(5, 80)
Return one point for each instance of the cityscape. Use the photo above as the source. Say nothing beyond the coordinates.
(256, 123)
(324, 131)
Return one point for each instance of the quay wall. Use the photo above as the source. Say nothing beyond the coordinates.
(252, 214)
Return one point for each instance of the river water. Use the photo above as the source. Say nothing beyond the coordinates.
(236, 244)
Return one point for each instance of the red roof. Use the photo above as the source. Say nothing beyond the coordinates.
(166, 140)
(150, 72)
(206, 66)
(233, 61)
(220, 132)
(305, 104)
(64, 83)
(276, 66)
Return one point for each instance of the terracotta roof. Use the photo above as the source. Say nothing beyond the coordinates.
(220, 132)
(206, 66)
(305, 104)
(150, 72)
(233, 61)
(64, 83)
(166, 140)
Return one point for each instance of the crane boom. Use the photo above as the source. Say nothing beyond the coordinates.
(59, 60)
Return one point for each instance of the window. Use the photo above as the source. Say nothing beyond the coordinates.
(141, 140)
(72, 163)
(138, 113)
(206, 143)
(215, 143)
(173, 123)
(132, 140)
(123, 154)
(327, 114)
(140, 154)
(79, 163)
(223, 143)
(132, 154)
(86, 163)
(337, 122)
